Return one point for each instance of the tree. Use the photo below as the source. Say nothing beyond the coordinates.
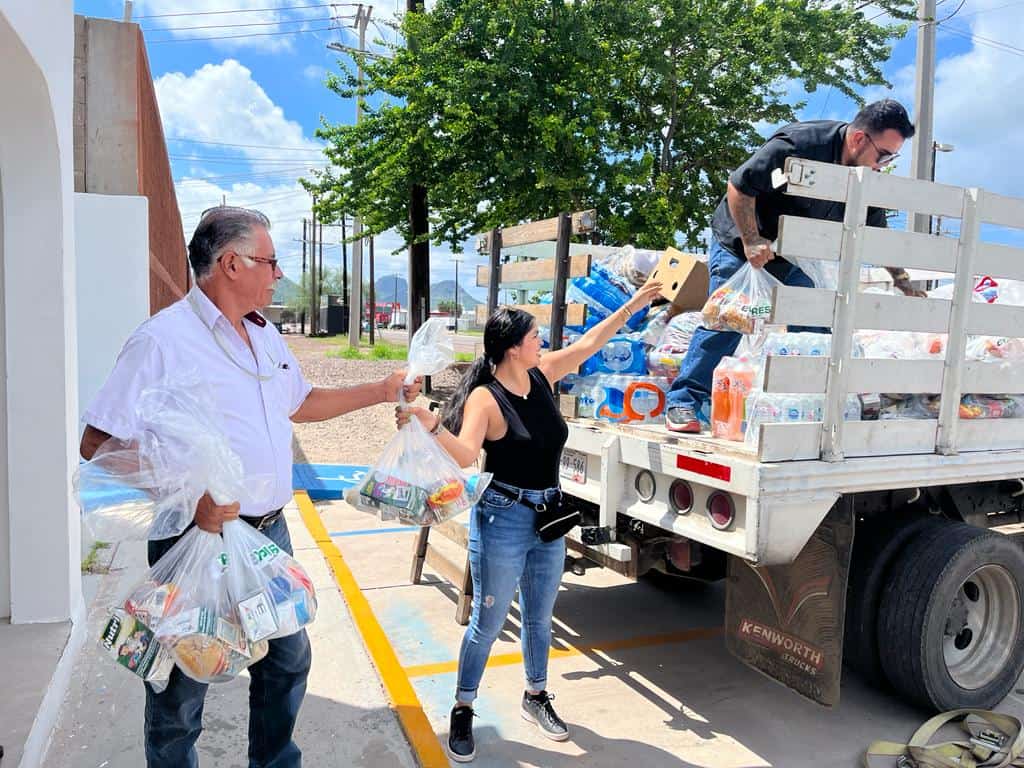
(450, 307)
(509, 110)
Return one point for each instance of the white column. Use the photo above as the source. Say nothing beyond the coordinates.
(36, 167)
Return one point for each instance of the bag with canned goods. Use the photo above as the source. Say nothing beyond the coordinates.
(184, 601)
(271, 591)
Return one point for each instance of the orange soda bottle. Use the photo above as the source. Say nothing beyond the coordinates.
(721, 405)
(741, 382)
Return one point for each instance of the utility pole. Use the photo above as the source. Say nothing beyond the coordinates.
(455, 304)
(419, 252)
(320, 282)
(344, 266)
(373, 297)
(355, 312)
(922, 162)
(314, 325)
(302, 312)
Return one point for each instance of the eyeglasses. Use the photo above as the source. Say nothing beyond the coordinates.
(884, 157)
(258, 260)
(235, 209)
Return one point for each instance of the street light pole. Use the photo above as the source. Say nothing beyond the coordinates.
(924, 100)
(937, 147)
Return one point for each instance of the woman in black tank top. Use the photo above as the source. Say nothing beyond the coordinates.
(504, 404)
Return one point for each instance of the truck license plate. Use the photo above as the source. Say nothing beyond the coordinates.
(573, 466)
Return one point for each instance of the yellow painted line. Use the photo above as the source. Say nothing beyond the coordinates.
(401, 696)
(506, 659)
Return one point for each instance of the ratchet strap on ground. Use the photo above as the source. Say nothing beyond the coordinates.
(992, 740)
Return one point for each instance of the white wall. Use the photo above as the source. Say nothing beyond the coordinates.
(36, 168)
(112, 261)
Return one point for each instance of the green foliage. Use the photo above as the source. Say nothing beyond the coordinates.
(638, 108)
(382, 350)
(449, 306)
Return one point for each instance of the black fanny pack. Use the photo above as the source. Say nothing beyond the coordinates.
(554, 518)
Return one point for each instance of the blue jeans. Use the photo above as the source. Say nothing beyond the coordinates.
(692, 387)
(174, 717)
(505, 553)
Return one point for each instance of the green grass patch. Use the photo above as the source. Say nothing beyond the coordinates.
(464, 357)
(91, 562)
(382, 350)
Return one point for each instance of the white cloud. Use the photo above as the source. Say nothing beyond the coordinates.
(246, 24)
(976, 103)
(314, 72)
(223, 103)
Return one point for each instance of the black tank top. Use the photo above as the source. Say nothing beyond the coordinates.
(527, 456)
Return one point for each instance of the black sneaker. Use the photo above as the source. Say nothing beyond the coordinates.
(460, 735)
(681, 419)
(538, 709)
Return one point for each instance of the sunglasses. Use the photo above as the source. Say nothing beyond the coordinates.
(884, 156)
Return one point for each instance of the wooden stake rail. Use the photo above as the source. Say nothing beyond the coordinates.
(845, 309)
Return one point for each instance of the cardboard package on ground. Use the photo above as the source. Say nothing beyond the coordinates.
(685, 279)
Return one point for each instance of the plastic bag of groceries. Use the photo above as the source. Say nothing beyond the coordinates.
(416, 482)
(271, 591)
(147, 487)
(184, 602)
(741, 303)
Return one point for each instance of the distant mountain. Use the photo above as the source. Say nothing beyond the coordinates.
(285, 290)
(445, 291)
(391, 288)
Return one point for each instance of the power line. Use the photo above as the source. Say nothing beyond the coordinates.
(236, 37)
(246, 24)
(247, 10)
(236, 161)
(954, 13)
(986, 41)
(989, 10)
(248, 146)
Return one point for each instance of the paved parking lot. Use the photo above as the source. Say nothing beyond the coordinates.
(640, 671)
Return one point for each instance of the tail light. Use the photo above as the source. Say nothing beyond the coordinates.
(721, 510)
(680, 497)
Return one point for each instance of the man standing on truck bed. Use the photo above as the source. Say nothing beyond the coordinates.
(747, 221)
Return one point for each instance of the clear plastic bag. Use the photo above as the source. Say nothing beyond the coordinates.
(184, 601)
(272, 592)
(431, 349)
(679, 331)
(741, 303)
(416, 482)
(147, 487)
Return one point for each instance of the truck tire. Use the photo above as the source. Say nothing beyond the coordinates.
(876, 549)
(951, 620)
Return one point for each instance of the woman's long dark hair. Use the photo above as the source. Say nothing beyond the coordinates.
(506, 328)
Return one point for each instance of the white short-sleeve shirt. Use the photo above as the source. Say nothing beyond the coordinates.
(255, 396)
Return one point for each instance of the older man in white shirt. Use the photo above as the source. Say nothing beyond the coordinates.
(256, 383)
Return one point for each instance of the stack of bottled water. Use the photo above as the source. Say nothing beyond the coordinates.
(619, 399)
(805, 344)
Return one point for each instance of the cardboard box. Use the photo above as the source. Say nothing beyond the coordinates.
(685, 279)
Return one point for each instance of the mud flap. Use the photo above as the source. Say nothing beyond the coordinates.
(786, 621)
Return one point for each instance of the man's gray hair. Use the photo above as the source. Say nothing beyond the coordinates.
(219, 228)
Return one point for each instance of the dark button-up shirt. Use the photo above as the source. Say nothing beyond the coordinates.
(814, 140)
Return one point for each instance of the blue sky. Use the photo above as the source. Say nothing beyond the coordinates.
(240, 111)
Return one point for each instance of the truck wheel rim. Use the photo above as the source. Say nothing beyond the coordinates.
(981, 627)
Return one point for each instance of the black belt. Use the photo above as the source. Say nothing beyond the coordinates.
(516, 494)
(264, 522)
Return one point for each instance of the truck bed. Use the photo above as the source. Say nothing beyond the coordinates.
(778, 503)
